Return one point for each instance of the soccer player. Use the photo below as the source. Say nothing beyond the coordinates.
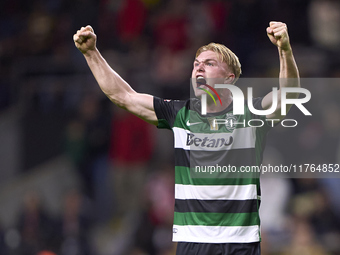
(212, 215)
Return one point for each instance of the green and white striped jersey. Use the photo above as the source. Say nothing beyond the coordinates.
(214, 206)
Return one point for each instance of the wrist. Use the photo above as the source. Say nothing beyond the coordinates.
(287, 50)
(90, 53)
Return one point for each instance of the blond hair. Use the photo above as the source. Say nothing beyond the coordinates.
(226, 55)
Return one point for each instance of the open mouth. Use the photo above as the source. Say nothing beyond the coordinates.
(200, 81)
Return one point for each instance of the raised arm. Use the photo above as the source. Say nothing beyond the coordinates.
(289, 74)
(114, 87)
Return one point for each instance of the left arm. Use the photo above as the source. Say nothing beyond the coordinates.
(289, 73)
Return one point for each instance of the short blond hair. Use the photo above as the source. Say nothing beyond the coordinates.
(227, 56)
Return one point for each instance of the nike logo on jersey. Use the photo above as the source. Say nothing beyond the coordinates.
(191, 124)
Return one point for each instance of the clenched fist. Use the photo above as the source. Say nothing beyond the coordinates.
(85, 39)
(278, 35)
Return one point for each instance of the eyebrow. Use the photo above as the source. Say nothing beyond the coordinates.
(208, 59)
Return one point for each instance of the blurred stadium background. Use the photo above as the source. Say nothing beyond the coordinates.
(79, 176)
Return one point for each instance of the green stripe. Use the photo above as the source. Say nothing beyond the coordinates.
(182, 116)
(183, 176)
(162, 123)
(216, 219)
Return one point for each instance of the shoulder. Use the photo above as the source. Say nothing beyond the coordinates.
(173, 104)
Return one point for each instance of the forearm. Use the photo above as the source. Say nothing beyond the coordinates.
(109, 81)
(289, 73)
(288, 67)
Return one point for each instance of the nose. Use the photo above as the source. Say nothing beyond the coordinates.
(200, 66)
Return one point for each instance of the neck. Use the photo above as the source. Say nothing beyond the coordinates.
(211, 107)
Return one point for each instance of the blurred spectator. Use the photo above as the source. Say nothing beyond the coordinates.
(5, 87)
(74, 226)
(36, 227)
(131, 148)
(131, 20)
(154, 232)
(76, 142)
(172, 59)
(3, 246)
(275, 189)
(324, 21)
(39, 28)
(311, 206)
(331, 187)
(243, 18)
(171, 26)
(325, 223)
(304, 240)
(87, 141)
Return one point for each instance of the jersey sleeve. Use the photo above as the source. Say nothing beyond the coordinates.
(166, 111)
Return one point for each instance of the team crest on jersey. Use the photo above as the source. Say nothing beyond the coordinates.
(231, 119)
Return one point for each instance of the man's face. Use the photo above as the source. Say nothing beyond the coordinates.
(209, 66)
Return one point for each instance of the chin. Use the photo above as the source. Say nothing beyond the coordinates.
(199, 93)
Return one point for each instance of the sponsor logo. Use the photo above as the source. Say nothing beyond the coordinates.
(191, 124)
(206, 142)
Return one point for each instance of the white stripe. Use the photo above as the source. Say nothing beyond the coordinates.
(215, 192)
(243, 138)
(180, 138)
(215, 234)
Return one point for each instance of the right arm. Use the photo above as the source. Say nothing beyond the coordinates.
(114, 87)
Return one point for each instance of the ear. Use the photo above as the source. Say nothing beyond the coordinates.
(229, 79)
